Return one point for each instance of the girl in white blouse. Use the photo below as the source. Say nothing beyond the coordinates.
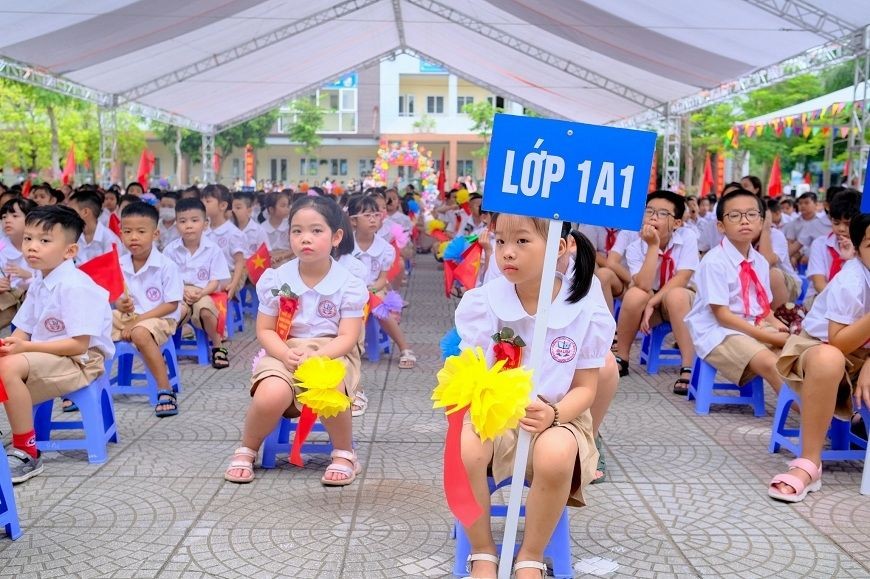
(579, 334)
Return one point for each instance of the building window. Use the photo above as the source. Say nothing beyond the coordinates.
(366, 166)
(342, 167)
(237, 168)
(435, 105)
(283, 169)
(496, 101)
(462, 101)
(406, 105)
(312, 166)
(273, 170)
(339, 106)
(464, 168)
(156, 170)
(303, 165)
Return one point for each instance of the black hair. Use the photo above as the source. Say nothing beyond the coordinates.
(219, 192)
(171, 195)
(191, 192)
(756, 182)
(809, 195)
(50, 215)
(57, 194)
(786, 201)
(24, 205)
(88, 199)
(739, 192)
(858, 228)
(247, 196)
(272, 198)
(832, 192)
(731, 185)
(134, 184)
(128, 198)
(691, 198)
(674, 199)
(360, 204)
(347, 243)
(846, 204)
(189, 204)
(141, 209)
(773, 205)
(326, 206)
(114, 193)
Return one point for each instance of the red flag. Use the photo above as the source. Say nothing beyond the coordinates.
(216, 163)
(146, 165)
(449, 269)
(258, 263)
(466, 272)
(442, 176)
(774, 184)
(25, 189)
(3, 396)
(303, 429)
(653, 175)
(707, 182)
(106, 272)
(220, 300)
(398, 263)
(457, 488)
(69, 170)
(115, 224)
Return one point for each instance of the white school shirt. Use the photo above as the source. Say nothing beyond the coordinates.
(623, 239)
(197, 269)
(820, 258)
(492, 270)
(780, 248)
(718, 283)
(255, 236)
(100, 244)
(104, 217)
(684, 251)
(598, 236)
(338, 295)
(168, 234)
(578, 337)
(157, 282)
(845, 300)
(11, 256)
(400, 219)
(64, 304)
(377, 258)
(279, 238)
(806, 231)
(230, 240)
(354, 266)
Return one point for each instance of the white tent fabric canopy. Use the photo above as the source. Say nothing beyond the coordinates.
(844, 95)
(218, 62)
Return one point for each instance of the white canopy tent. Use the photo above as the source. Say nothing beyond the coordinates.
(210, 64)
(844, 95)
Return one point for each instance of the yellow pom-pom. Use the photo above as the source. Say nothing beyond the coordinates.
(460, 378)
(435, 225)
(462, 196)
(439, 252)
(320, 378)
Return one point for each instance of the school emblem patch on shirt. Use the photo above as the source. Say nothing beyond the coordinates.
(202, 274)
(153, 294)
(563, 349)
(326, 309)
(54, 325)
(222, 241)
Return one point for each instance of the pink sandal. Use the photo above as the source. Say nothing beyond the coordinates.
(801, 489)
(347, 471)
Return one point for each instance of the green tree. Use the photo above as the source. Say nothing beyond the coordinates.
(482, 115)
(305, 130)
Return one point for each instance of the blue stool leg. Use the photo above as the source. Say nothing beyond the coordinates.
(757, 385)
(704, 394)
(655, 350)
(171, 359)
(8, 511)
(373, 352)
(559, 548)
(93, 423)
(463, 550)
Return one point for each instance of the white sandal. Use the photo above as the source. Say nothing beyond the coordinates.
(349, 472)
(360, 404)
(245, 465)
(478, 557)
(407, 359)
(542, 567)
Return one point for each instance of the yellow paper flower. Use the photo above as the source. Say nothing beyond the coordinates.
(320, 377)
(496, 399)
(439, 251)
(435, 225)
(462, 196)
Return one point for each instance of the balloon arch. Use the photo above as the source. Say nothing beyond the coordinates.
(408, 154)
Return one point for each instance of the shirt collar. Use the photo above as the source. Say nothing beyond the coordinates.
(58, 273)
(505, 303)
(734, 255)
(155, 260)
(204, 243)
(334, 280)
(374, 250)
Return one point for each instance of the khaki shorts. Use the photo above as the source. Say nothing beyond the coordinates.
(660, 313)
(161, 329)
(194, 312)
(505, 446)
(731, 358)
(791, 366)
(792, 286)
(268, 366)
(9, 303)
(52, 376)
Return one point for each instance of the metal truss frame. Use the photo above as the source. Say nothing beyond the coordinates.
(671, 151)
(808, 17)
(208, 175)
(108, 144)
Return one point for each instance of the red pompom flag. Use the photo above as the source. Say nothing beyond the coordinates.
(115, 224)
(106, 272)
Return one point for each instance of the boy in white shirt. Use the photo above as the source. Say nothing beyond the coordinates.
(830, 252)
(243, 207)
(825, 364)
(147, 313)
(731, 322)
(614, 279)
(62, 336)
(203, 267)
(110, 205)
(661, 263)
(223, 233)
(15, 274)
(166, 229)
(96, 238)
(804, 229)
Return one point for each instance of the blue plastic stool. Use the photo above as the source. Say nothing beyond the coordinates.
(278, 442)
(250, 301)
(703, 384)
(197, 348)
(840, 434)
(97, 422)
(376, 340)
(801, 269)
(558, 549)
(617, 307)
(653, 354)
(122, 382)
(8, 512)
(805, 285)
(235, 317)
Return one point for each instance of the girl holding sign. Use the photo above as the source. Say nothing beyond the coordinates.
(309, 306)
(580, 331)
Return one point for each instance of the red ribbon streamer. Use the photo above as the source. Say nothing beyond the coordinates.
(836, 263)
(303, 429)
(457, 489)
(747, 277)
(666, 272)
(611, 238)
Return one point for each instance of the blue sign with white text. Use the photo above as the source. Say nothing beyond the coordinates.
(865, 196)
(568, 171)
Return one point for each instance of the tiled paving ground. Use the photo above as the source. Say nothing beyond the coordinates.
(686, 495)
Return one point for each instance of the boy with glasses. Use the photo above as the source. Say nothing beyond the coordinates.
(731, 323)
(661, 262)
(828, 253)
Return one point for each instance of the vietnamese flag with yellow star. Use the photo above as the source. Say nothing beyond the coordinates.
(258, 263)
(220, 300)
